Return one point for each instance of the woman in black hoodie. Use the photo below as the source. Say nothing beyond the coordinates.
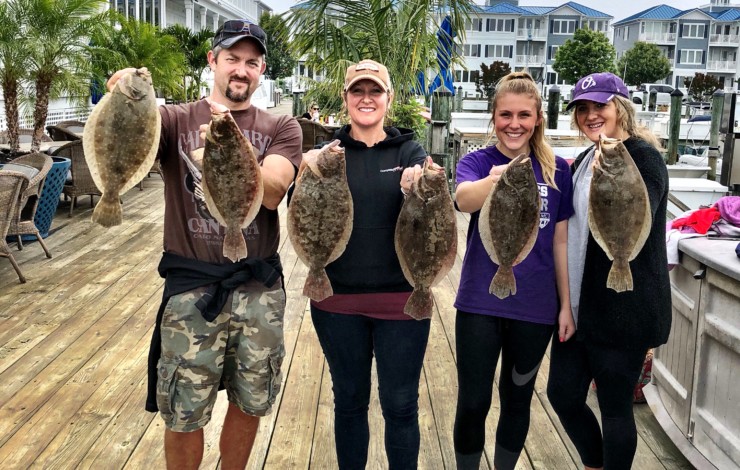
(364, 318)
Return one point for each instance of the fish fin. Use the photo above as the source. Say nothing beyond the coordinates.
(420, 304)
(620, 276)
(503, 283)
(235, 247)
(647, 224)
(317, 286)
(108, 211)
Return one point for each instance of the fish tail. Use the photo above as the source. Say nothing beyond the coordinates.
(108, 211)
(620, 276)
(503, 283)
(420, 304)
(317, 286)
(235, 247)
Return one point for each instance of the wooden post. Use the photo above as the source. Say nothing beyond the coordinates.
(674, 125)
(458, 99)
(718, 104)
(553, 107)
(298, 105)
(652, 101)
(441, 104)
(645, 100)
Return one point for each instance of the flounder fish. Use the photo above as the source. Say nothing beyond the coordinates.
(120, 140)
(232, 180)
(320, 216)
(509, 222)
(618, 210)
(426, 237)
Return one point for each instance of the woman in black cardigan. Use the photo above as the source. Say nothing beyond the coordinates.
(614, 329)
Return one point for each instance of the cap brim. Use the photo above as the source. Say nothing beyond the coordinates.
(372, 78)
(228, 42)
(597, 96)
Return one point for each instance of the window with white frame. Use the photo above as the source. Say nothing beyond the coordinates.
(467, 76)
(498, 51)
(691, 56)
(596, 25)
(563, 26)
(471, 50)
(693, 30)
(473, 24)
(500, 25)
(553, 51)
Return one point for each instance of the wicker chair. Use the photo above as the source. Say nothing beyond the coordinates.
(66, 130)
(24, 136)
(10, 187)
(28, 201)
(313, 133)
(82, 183)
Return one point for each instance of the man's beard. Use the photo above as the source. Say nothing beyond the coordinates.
(238, 97)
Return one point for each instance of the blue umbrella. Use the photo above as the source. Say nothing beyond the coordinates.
(444, 52)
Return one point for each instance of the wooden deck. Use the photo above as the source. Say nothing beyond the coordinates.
(74, 342)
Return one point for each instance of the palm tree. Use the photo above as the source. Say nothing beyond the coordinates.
(195, 46)
(138, 44)
(13, 66)
(401, 34)
(56, 33)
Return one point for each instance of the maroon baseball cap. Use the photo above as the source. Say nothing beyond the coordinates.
(600, 87)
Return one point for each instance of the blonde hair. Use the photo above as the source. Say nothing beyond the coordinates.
(522, 83)
(627, 121)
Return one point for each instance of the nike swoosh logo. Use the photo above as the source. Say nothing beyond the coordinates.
(522, 379)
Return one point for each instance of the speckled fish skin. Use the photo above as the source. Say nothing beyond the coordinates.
(618, 210)
(120, 141)
(232, 180)
(426, 238)
(509, 222)
(320, 217)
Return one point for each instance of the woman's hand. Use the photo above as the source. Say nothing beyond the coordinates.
(566, 325)
(409, 177)
(496, 172)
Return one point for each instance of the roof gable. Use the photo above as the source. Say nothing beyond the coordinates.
(658, 12)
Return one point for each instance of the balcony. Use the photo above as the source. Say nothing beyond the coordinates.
(529, 34)
(658, 38)
(724, 39)
(530, 60)
(721, 66)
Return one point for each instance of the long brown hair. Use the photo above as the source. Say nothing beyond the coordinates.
(522, 83)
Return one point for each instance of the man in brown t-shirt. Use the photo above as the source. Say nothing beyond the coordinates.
(238, 344)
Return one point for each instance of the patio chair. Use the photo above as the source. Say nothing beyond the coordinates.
(81, 183)
(24, 136)
(66, 130)
(10, 188)
(313, 133)
(28, 201)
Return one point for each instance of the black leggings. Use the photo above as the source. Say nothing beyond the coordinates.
(479, 340)
(572, 366)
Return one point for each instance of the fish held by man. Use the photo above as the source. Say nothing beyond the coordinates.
(120, 141)
(232, 179)
(618, 210)
(320, 216)
(426, 237)
(509, 222)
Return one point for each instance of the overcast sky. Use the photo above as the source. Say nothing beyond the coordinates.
(619, 9)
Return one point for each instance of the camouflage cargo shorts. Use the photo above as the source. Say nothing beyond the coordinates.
(243, 348)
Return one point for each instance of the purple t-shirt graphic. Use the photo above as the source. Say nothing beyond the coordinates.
(536, 299)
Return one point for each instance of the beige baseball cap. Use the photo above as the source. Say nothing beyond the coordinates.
(368, 70)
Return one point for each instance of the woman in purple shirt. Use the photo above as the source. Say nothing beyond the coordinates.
(518, 327)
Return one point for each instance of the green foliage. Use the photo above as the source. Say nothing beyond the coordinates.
(702, 86)
(280, 59)
(587, 52)
(13, 66)
(407, 115)
(491, 74)
(139, 44)
(333, 34)
(195, 47)
(644, 63)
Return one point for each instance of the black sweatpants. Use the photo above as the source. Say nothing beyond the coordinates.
(573, 364)
(479, 340)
